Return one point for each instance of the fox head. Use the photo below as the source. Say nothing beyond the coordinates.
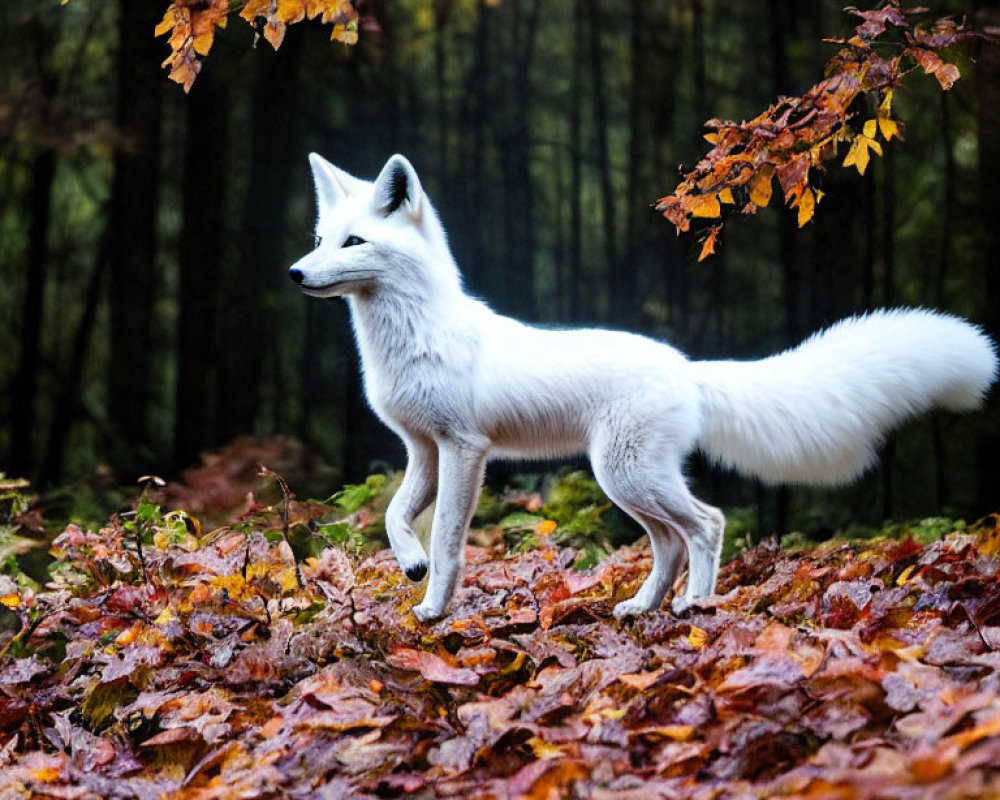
(372, 236)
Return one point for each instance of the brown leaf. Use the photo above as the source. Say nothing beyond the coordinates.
(432, 667)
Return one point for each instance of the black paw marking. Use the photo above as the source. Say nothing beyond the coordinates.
(416, 572)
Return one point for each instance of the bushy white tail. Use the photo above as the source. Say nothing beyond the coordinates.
(816, 414)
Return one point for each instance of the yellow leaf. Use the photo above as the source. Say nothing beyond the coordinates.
(807, 206)
(167, 615)
(697, 637)
(165, 24)
(869, 128)
(543, 749)
(726, 196)
(234, 585)
(885, 107)
(546, 527)
(904, 576)
(11, 600)
(46, 774)
(712, 138)
(858, 154)
(679, 733)
(344, 35)
(706, 205)
(760, 186)
(988, 537)
(203, 42)
(290, 11)
(889, 128)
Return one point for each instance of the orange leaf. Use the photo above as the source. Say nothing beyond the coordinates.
(708, 246)
(46, 774)
(274, 32)
(947, 76)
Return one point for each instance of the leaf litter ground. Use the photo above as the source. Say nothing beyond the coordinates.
(213, 668)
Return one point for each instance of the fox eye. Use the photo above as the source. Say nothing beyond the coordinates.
(351, 241)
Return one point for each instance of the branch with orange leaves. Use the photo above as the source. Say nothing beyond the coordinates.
(192, 25)
(796, 137)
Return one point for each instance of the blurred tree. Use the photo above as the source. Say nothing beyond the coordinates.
(201, 261)
(251, 288)
(41, 32)
(542, 132)
(133, 276)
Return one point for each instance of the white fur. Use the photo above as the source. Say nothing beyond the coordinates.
(461, 384)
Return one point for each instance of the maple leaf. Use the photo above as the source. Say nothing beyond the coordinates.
(857, 155)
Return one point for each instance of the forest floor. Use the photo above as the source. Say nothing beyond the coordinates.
(255, 660)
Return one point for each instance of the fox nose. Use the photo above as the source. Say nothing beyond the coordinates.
(296, 275)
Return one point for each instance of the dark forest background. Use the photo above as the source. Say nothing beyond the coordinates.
(145, 234)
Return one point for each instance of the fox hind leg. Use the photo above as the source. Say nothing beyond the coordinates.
(704, 540)
(647, 483)
(668, 559)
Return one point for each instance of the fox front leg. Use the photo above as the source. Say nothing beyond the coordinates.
(413, 496)
(460, 474)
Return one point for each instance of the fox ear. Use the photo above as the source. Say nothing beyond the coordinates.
(398, 186)
(332, 184)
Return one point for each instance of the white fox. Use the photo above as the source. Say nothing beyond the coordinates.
(461, 384)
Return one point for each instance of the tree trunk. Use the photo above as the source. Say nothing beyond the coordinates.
(250, 324)
(23, 417)
(575, 311)
(619, 297)
(518, 282)
(134, 194)
(203, 201)
(442, 15)
(67, 405)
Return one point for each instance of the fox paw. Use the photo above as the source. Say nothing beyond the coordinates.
(629, 608)
(680, 605)
(427, 613)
